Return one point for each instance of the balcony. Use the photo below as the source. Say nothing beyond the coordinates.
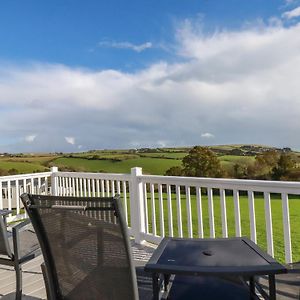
(268, 212)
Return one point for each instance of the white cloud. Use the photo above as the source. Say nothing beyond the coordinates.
(242, 85)
(207, 135)
(292, 13)
(70, 140)
(30, 138)
(126, 45)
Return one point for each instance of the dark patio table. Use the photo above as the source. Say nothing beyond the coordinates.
(221, 257)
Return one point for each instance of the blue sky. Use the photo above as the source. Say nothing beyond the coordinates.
(69, 32)
(79, 75)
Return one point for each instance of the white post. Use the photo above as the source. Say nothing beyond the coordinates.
(54, 181)
(137, 206)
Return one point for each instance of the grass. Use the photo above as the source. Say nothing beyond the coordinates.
(278, 237)
(156, 166)
(21, 166)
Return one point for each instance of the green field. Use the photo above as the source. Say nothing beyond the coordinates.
(22, 167)
(156, 166)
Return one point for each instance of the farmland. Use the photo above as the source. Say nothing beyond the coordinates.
(153, 161)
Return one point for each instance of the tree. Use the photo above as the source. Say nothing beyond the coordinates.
(284, 166)
(202, 162)
(174, 171)
(263, 165)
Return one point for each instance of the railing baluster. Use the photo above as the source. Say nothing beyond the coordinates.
(153, 209)
(32, 185)
(161, 211)
(9, 195)
(89, 187)
(146, 208)
(98, 187)
(24, 186)
(107, 188)
(125, 201)
(77, 186)
(237, 213)
(113, 194)
(211, 212)
(102, 188)
(70, 187)
(66, 186)
(113, 188)
(93, 188)
(17, 197)
(39, 186)
(199, 212)
(81, 186)
(170, 213)
(46, 185)
(252, 216)
(223, 213)
(84, 187)
(1, 196)
(178, 202)
(59, 189)
(286, 228)
(118, 188)
(189, 211)
(269, 229)
(73, 191)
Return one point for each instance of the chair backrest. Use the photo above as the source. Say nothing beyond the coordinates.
(4, 244)
(85, 246)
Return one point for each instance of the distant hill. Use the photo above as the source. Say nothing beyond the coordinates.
(153, 160)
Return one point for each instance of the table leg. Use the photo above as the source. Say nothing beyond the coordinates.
(155, 286)
(252, 287)
(166, 281)
(272, 288)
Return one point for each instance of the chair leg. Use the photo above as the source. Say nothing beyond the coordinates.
(18, 270)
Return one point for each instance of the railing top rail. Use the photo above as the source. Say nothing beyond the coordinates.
(107, 176)
(288, 187)
(24, 176)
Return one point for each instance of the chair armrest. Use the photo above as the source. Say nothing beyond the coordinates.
(16, 239)
(5, 212)
(20, 225)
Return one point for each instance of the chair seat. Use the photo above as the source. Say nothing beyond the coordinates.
(208, 288)
(28, 242)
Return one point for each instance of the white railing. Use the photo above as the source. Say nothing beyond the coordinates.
(11, 187)
(158, 206)
(214, 189)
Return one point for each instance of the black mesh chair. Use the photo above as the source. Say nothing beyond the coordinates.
(17, 247)
(85, 246)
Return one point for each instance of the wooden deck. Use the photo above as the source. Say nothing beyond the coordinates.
(288, 285)
(33, 282)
